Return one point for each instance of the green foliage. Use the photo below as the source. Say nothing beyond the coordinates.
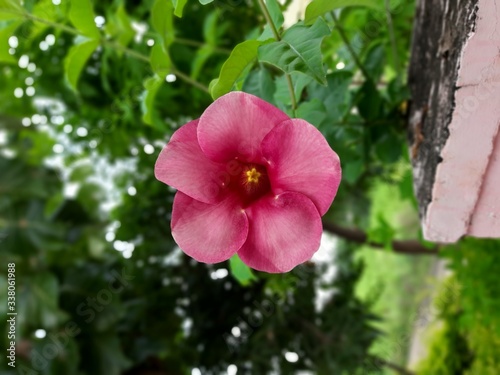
(160, 61)
(449, 351)
(76, 59)
(260, 83)
(475, 263)
(10, 10)
(82, 17)
(468, 341)
(318, 8)
(119, 26)
(275, 12)
(5, 34)
(179, 7)
(299, 83)
(46, 10)
(151, 85)
(240, 60)
(241, 271)
(299, 50)
(161, 19)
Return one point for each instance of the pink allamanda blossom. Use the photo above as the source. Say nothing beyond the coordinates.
(250, 181)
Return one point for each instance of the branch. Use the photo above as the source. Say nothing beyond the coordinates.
(409, 247)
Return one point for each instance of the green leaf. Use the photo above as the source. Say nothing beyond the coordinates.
(151, 86)
(319, 7)
(5, 34)
(370, 103)
(202, 55)
(160, 61)
(43, 9)
(313, 112)
(76, 59)
(161, 19)
(382, 232)
(405, 186)
(266, 34)
(178, 7)
(82, 17)
(352, 170)
(107, 353)
(336, 96)
(389, 148)
(260, 83)
(119, 26)
(374, 62)
(299, 50)
(81, 172)
(10, 10)
(210, 28)
(299, 82)
(45, 290)
(240, 271)
(275, 12)
(241, 57)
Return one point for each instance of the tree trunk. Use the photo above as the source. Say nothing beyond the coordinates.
(452, 40)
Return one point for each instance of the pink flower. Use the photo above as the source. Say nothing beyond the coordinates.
(251, 181)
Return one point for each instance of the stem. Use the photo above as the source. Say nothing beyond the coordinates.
(277, 36)
(408, 247)
(392, 36)
(56, 25)
(116, 46)
(125, 50)
(348, 45)
(292, 93)
(269, 21)
(189, 80)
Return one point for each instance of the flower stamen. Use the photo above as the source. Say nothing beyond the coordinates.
(253, 175)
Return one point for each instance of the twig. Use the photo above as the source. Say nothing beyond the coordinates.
(408, 247)
(392, 36)
(348, 45)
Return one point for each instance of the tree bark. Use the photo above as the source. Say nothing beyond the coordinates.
(440, 32)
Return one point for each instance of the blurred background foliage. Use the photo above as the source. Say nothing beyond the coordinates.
(89, 94)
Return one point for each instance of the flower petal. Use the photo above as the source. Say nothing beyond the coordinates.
(235, 125)
(301, 160)
(284, 231)
(182, 165)
(209, 233)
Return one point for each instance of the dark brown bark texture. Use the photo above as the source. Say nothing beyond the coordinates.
(440, 32)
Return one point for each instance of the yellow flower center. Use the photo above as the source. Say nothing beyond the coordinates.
(253, 175)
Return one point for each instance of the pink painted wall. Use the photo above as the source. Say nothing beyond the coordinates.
(466, 194)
